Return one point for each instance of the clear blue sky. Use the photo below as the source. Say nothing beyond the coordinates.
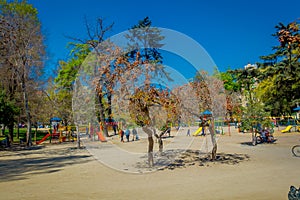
(233, 32)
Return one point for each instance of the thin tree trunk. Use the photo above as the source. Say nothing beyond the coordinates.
(102, 116)
(78, 137)
(2, 130)
(35, 133)
(149, 132)
(213, 139)
(11, 132)
(160, 141)
(109, 110)
(27, 111)
(253, 134)
(160, 145)
(18, 128)
(150, 151)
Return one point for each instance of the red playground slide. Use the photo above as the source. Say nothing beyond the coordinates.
(43, 139)
(101, 137)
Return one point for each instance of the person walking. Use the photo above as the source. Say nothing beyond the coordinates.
(188, 132)
(127, 134)
(134, 135)
(121, 133)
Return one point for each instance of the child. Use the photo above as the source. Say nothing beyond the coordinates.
(121, 133)
(127, 134)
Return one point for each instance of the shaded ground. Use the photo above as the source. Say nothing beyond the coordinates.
(197, 158)
(20, 163)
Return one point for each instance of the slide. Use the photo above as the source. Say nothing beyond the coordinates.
(43, 139)
(101, 137)
(287, 129)
(197, 131)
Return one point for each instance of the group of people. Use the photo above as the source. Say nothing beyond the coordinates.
(266, 135)
(127, 134)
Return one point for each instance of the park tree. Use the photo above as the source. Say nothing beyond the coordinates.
(280, 71)
(61, 93)
(128, 74)
(8, 111)
(110, 66)
(144, 42)
(146, 106)
(211, 96)
(203, 93)
(22, 49)
(253, 109)
(233, 93)
(92, 58)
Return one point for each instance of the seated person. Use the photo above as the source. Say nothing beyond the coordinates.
(263, 134)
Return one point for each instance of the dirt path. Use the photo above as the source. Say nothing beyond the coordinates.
(242, 172)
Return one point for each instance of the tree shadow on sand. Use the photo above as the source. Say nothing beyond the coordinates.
(264, 143)
(30, 162)
(198, 158)
(178, 158)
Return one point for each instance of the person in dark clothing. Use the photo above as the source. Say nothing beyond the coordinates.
(121, 133)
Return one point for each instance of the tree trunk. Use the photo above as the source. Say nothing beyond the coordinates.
(11, 132)
(18, 128)
(2, 130)
(213, 139)
(160, 143)
(102, 116)
(149, 132)
(150, 151)
(159, 139)
(109, 109)
(253, 134)
(27, 111)
(78, 137)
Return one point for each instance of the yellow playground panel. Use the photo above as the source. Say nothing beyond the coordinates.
(198, 131)
(287, 129)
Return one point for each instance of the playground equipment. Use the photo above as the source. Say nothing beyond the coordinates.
(198, 131)
(44, 138)
(287, 129)
(101, 137)
(62, 135)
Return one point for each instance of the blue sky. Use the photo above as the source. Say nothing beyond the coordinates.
(233, 32)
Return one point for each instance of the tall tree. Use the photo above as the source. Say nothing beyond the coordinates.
(282, 68)
(210, 95)
(22, 42)
(203, 93)
(142, 108)
(63, 88)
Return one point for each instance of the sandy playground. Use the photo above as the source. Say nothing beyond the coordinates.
(242, 171)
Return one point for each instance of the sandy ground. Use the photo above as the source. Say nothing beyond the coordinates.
(61, 171)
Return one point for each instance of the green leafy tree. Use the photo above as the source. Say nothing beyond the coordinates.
(62, 93)
(22, 51)
(282, 68)
(8, 112)
(89, 49)
(254, 111)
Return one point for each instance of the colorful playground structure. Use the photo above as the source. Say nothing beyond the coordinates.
(197, 132)
(58, 132)
(289, 128)
(63, 134)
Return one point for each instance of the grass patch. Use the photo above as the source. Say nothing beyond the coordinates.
(22, 134)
